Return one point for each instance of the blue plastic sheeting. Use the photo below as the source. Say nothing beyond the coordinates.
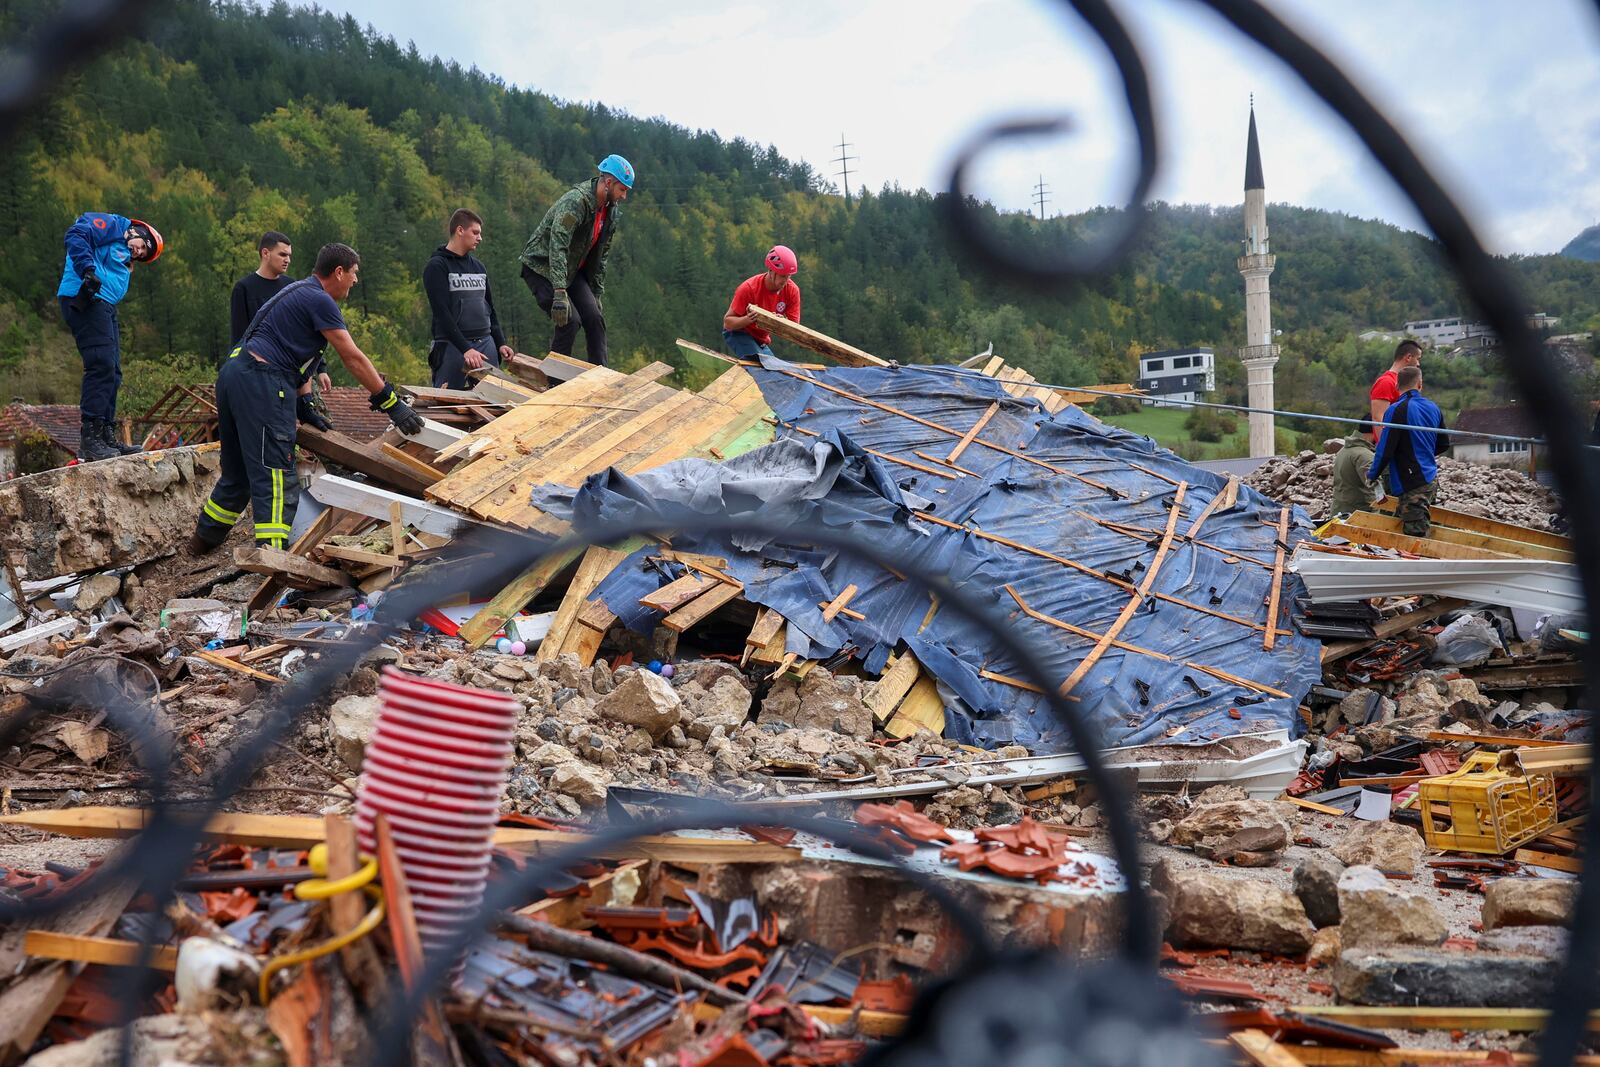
(1091, 501)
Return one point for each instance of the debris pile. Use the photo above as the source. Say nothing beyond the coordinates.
(1491, 492)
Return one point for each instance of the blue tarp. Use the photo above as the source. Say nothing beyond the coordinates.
(1075, 489)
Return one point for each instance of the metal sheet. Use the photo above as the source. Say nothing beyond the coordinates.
(1535, 585)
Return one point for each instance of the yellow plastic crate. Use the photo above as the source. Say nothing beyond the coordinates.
(1488, 810)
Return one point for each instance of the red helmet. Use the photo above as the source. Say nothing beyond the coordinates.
(152, 236)
(781, 260)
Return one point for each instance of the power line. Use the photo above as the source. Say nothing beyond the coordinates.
(844, 159)
(1041, 196)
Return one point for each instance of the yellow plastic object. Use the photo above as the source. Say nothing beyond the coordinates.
(1481, 808)
(322, 889)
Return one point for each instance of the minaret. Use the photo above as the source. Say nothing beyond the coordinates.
(1259, 354)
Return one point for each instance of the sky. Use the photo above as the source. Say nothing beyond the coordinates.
(1502, 99)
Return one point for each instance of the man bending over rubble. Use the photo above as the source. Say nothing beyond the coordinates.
(1409, 456)
(774, 291)
(264, 389)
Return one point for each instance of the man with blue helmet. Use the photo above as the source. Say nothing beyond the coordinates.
(101, 251)
(564, 262)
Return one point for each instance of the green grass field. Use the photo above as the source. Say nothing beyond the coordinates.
(1166, 426)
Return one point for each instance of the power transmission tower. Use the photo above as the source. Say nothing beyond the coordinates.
(1041, 195)
(844, 160)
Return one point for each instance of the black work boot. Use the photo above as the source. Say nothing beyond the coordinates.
(110, 434)
(92, 444)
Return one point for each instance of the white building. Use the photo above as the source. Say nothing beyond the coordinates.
(1510, 421)
(1177, 374)
(1442, 331)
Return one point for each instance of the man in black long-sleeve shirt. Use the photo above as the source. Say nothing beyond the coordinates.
(257, 287)
(466, 330)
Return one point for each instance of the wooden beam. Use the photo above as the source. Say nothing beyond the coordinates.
(597, 562)
(514, 597)
(1417, 546)
(348, 452)
(107, 951)
(237, 668)
(568, 911)
(701, 607)
(768, 622)
(1460, 520)
(1440, 532)
(815, 341)
(1515, 1020)
(355, 555)
(426, 473)
(922, 708)
(891, 688)
(1277, 582)
(677, 593)
(276, 562)
(837, 604)
(970, 435)
(1262, 1051)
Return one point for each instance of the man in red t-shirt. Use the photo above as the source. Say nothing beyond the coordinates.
(773, 291)
(1386, 388)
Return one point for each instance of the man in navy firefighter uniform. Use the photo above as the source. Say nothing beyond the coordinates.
(264, 390)
(1409, 457)
(101, 251)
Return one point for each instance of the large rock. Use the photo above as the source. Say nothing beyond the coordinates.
(1212, 910)
(1316, 883)
(1216, 822)
(350, 723)
(1385, 845)
(1528, 902)
(96, 590)
(725, 704)
(644, 699)
(1376, 912)
(1430, 977)
(583, 782)
(819, 701)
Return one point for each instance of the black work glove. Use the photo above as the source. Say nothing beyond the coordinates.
(405, 420)
(560, 308)
(86, 291)
(305, 409)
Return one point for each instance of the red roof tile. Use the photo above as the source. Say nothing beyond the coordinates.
(59, 422)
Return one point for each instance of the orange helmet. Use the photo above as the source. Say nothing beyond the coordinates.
(152, 237)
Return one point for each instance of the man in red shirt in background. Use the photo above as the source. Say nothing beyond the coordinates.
(774, 291)
(1386, 388)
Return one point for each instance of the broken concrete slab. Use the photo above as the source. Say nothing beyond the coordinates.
(115, 513)
(1416, 976)
(1375, 912)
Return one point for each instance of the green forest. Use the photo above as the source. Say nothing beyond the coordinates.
(224, 119)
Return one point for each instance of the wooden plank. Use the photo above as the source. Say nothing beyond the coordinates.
(891, 688)
(771, 654)
(1493, 739)
(348, 452)
(275, 561)
(568, 911)
(768, 622)
(1460, 520)
(814, 340)
(677, 593)
(426, 473)
(596, 615)
(1136, 600)
(269, 590)
(1277, 582)
(1417, 546)
(968, 437)
(355, 555)
(346, 910)
(1515, 1020)
(921, 709)
(597, 562)
(1327, 1056)
(502, 390)
(1262, 1051)
(1312, 805)
(514, 597)
(373, 502)
(562, 368)
(837, 604)
(237, 668)
(701, 606)
(1532, 857)
(107, 951)
(1437, 532)
(567, 397)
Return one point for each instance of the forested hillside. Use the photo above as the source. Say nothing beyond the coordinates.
(226, 119)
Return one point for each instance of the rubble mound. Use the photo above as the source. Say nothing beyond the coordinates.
(1472, 488)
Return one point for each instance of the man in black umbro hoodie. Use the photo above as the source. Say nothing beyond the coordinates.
(466, 331)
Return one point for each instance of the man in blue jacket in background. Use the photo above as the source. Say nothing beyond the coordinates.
(101, 250)
(1409, 456)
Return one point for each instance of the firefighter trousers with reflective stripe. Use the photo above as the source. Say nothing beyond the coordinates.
(256, 427)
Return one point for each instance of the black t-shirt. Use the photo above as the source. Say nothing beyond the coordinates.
(249, 293)
(289, 335)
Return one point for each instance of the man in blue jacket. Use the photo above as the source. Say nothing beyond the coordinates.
(101, 250)
(1407, 458)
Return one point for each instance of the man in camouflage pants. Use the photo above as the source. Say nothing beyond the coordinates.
(1407, 458)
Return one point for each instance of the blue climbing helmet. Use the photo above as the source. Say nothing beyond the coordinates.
(618, 168)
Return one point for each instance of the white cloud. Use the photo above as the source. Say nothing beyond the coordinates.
(1503, 100)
